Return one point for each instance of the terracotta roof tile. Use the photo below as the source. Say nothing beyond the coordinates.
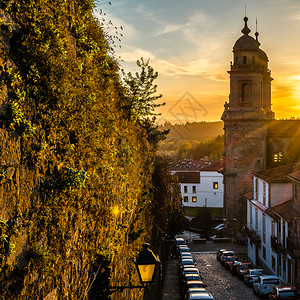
(188, 177)
(217, 166)
(249, 196)
(285, 210)
(295, 176)
(278, 174)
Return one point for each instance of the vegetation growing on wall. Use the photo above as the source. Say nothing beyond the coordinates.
(80, 171)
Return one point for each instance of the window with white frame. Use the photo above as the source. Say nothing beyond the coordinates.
(256, 218)
(264, 194)
(194, 189)
(185, 189)
(185, 199)
(194, 199)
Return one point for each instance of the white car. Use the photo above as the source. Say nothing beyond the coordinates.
(264, 284)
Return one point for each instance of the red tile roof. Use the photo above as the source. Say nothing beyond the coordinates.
(295, 176)
(217, 166)
(279, 174)
(285, 210)
(249, 196)
(188, 177)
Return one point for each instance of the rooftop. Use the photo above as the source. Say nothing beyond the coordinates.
(278, 174)
(284, 210)
(188, 177)
(295, 176)
(215, 166)
(192, 165)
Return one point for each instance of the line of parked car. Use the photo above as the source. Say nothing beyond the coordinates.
(191, 281)
(262, 284)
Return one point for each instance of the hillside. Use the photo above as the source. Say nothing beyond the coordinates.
(77, 176)
(190, 133)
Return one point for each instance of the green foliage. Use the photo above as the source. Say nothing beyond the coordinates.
(42, 258)
(141, 91)
(6, 246)
(17, 121)
(166, 205)
(73, 179)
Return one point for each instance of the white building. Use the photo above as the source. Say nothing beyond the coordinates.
(269, 215)
(202, 188)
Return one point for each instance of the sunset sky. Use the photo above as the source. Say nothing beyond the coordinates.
(190, 44)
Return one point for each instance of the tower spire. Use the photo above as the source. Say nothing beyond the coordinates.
(256, 32)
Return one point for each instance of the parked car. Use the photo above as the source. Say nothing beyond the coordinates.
(229, 260)
(195, 290)
(183, 249)
(179, 241)
(186, 262)
(264, 284)
(242, 269)
(183, 246)
(192, 284)
(220, 252)
(193, 269)
(187, 270)
(185, 255)
(224, 255)
(234, 266)
(200, 296)
(190, 277)
(251, 275)
(284, 292)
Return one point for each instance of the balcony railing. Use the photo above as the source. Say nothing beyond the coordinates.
(276, 245)
(253, 236)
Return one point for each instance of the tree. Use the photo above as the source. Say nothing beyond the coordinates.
(141, 91)
(141, 94)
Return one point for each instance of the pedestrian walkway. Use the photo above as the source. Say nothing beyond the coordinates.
(171, 284)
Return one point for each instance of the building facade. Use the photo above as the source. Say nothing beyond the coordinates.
(269, 219)
(202, 188)
(254, 140)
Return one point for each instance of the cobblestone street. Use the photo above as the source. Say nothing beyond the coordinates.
(220, 282)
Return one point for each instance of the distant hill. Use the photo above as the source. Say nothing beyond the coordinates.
(191, 133)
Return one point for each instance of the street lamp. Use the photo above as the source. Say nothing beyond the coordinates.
(146, 264)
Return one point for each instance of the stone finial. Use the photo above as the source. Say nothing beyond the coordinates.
(246, 30)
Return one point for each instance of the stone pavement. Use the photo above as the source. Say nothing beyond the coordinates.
(171, 284)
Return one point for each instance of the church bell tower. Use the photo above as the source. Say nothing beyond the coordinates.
(245, 117)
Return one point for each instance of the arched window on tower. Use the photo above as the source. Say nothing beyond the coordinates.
(244, 60)
(245, 95)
